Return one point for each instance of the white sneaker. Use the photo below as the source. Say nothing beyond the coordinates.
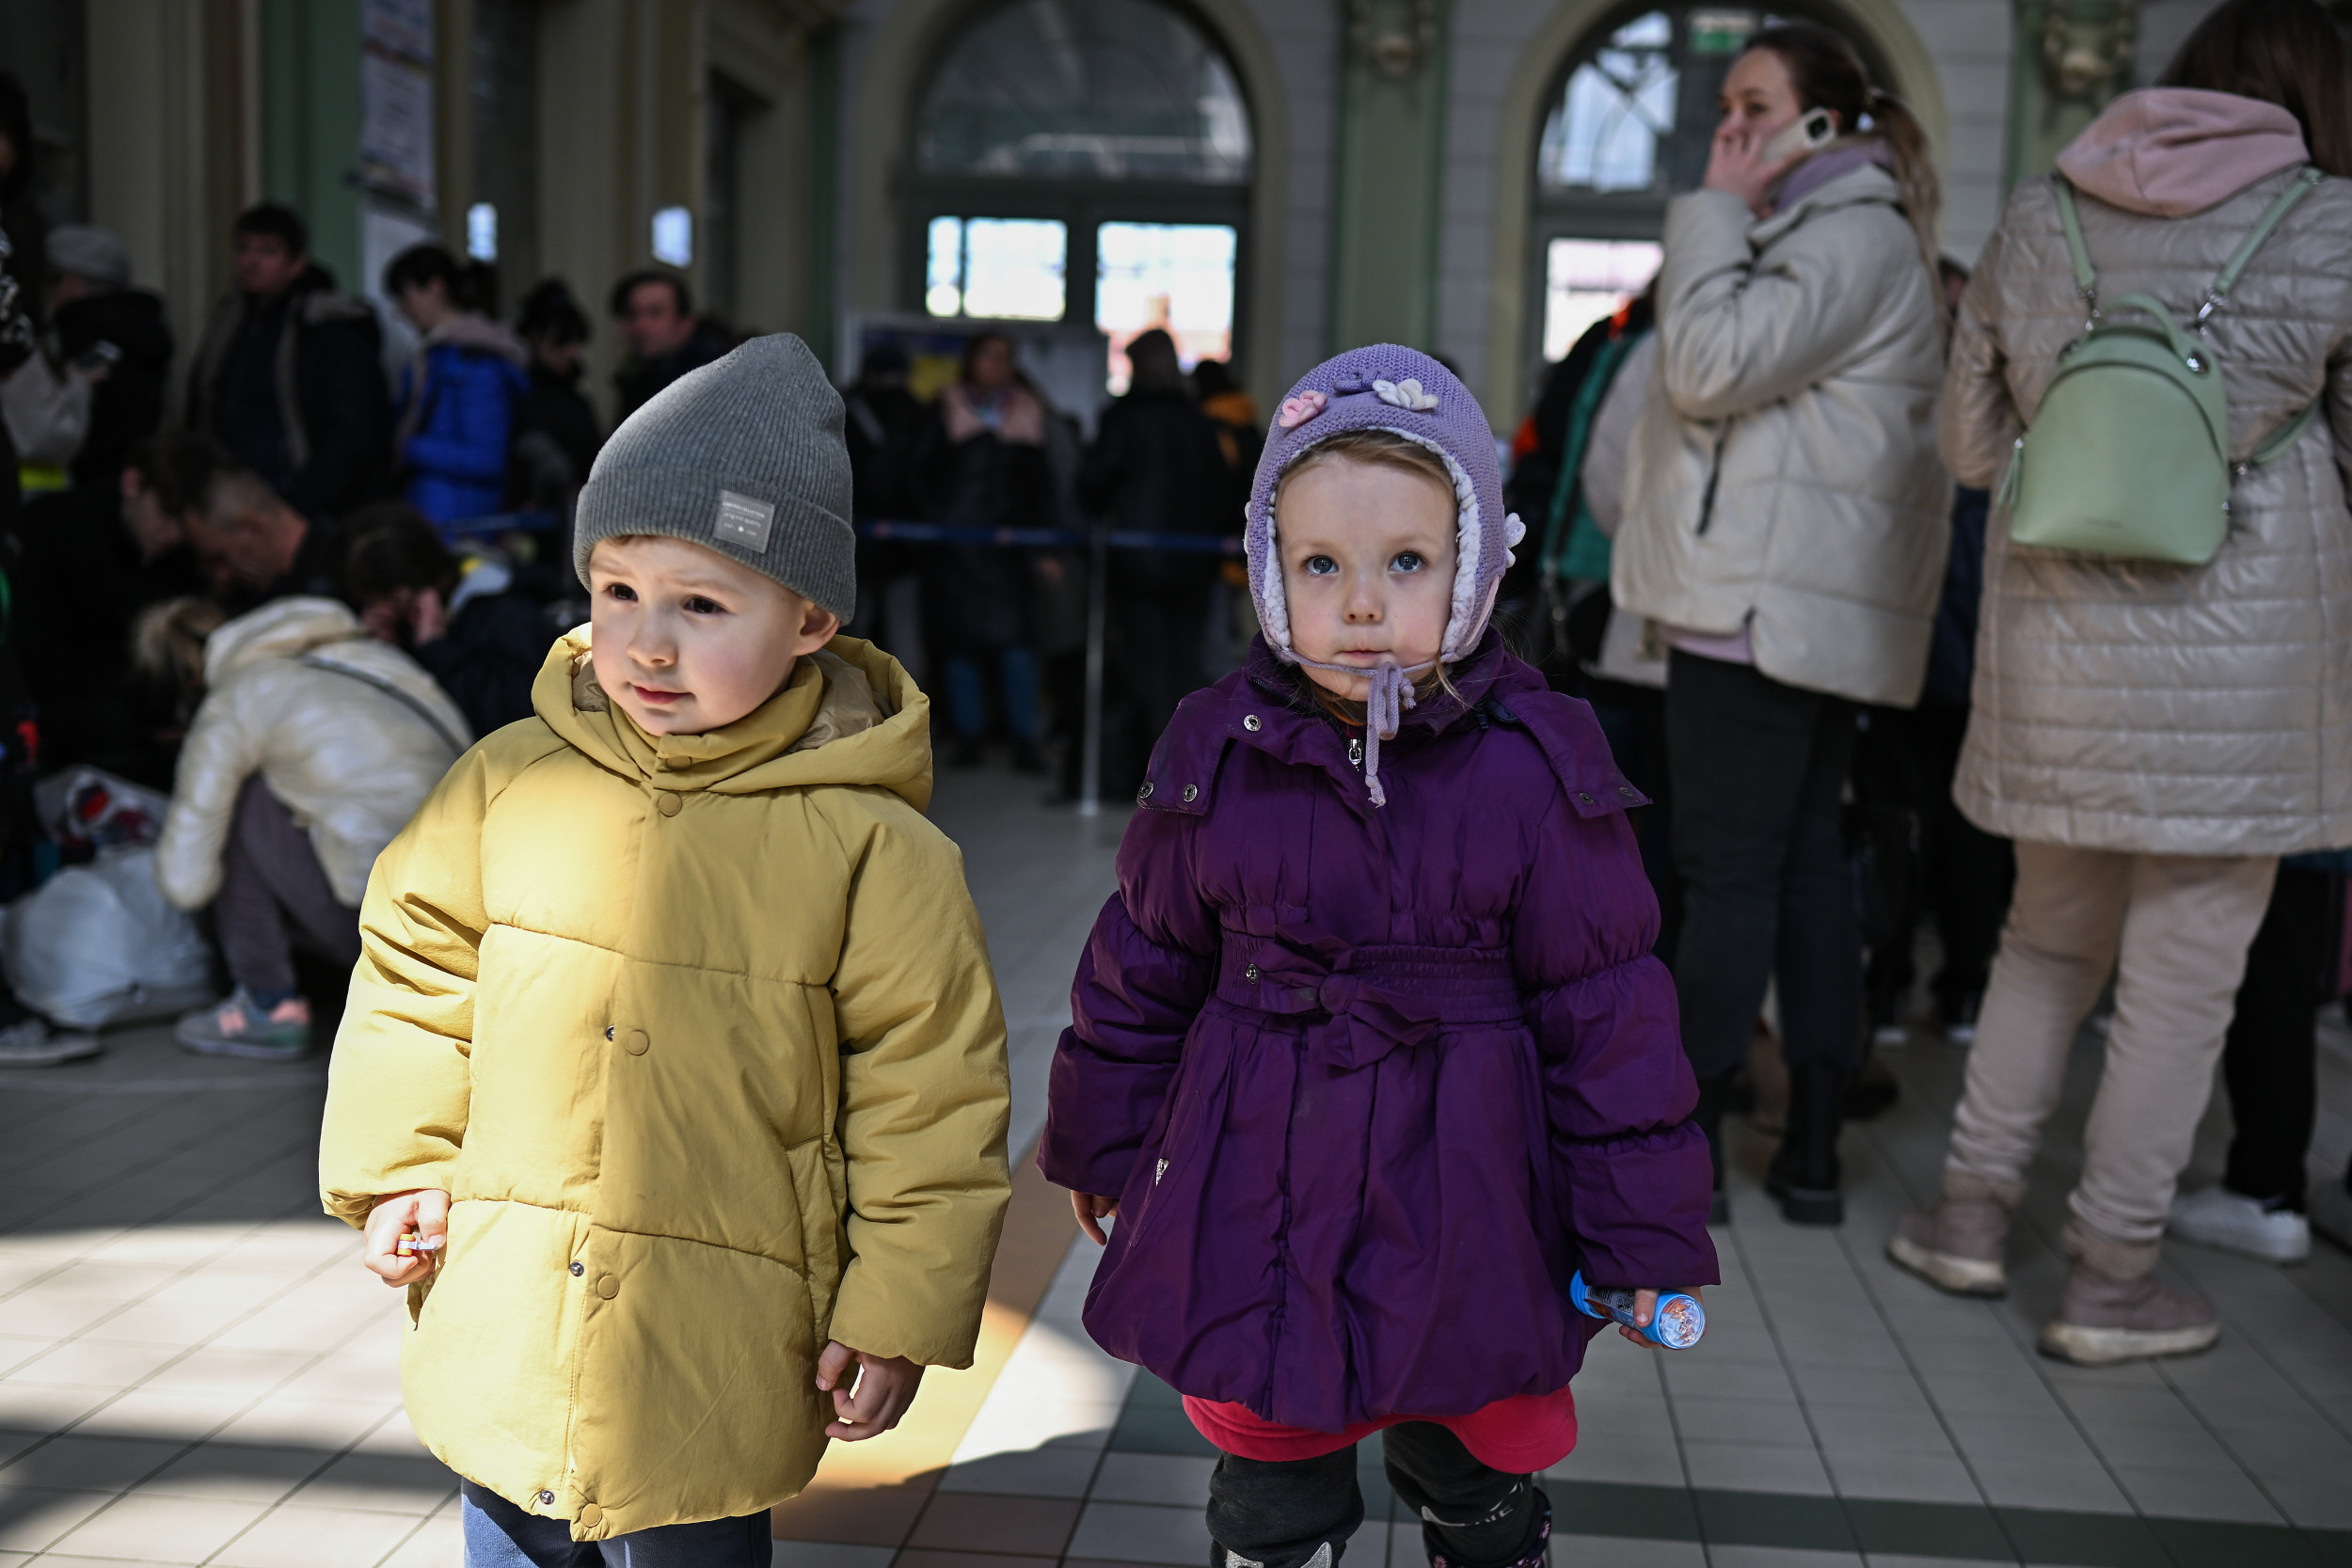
(2219, 1217)
(30, 1042)
(2331, 1212)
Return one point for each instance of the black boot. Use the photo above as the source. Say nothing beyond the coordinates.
(1714, 1096)
(1804, 1173)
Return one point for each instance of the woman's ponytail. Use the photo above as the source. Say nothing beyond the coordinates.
(1827, 73)
(1894, 123)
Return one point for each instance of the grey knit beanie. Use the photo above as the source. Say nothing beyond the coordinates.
(744, 456)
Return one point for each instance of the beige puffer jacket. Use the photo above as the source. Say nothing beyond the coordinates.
(1784, 475)
(2135, 707)
(299, 692)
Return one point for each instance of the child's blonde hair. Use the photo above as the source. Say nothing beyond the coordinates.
(1382, 447)
(1387, 450)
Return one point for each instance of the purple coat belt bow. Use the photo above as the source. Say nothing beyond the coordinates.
(1375, 1000)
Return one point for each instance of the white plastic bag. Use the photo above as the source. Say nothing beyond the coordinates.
(97, 945)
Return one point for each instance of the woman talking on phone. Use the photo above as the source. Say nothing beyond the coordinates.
(1785, 535)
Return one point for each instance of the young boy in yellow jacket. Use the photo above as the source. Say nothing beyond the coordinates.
(673, 1020)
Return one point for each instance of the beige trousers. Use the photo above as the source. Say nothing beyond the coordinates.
(2175, 930)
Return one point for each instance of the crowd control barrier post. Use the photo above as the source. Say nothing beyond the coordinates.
(1098, 612)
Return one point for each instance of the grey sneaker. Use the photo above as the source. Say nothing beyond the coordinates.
(1955, 1246)
(31, 1042)
(240, 1027)
(2102, 1320)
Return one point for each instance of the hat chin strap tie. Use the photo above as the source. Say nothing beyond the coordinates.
(1391, 693)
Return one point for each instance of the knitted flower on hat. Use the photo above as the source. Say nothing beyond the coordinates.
(1386, 387)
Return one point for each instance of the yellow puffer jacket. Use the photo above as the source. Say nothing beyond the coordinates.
(700, 1035)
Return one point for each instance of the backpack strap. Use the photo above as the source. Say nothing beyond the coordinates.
(2085, 280)
(2280, 439)
(1567, 492)
(2296, 191)
(406, 699)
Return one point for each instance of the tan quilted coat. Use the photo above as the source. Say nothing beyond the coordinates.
(2164, 710)
(1784, 474)
(699, 1034)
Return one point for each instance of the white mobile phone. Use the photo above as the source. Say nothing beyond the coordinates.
(1807, 132)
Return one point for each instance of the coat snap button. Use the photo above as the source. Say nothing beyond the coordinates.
(1144, 792)
(1628, 792)
(608, 1285)
(1586, 799)
(1253, 724)
(667, 803)
(578, 1269)
(608, 1031)
(545, 1498)
(635, 1042)
(1192, 792)
(1249, 974)
(590, 1514)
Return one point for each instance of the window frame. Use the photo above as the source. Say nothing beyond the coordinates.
(1080, 203)
(1586, 215)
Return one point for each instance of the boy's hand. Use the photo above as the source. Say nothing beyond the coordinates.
(426, 1213)
(1092, 1208)
(885, 1386)
(1645, 1313)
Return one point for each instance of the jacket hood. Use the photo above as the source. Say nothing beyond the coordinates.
(1856, 181)
(469, 330)
(850, 715)
(2169, 151)
(283, 628)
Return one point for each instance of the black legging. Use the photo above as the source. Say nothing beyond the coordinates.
(1281, 1512)
(2269, 1060)
(1759, 775)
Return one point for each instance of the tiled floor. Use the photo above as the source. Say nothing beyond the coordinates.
(193, 1370)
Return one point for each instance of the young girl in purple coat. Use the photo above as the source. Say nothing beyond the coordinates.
(1371, 1055)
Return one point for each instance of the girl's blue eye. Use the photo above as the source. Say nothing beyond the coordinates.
(1321, 565)
(1408, 561)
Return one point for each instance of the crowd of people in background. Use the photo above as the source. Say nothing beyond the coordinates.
(256, 564)
(1856, 704)
(1000, 627)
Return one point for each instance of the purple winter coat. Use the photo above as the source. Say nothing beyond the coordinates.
(1371, 1084)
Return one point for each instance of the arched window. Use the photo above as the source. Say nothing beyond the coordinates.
(1079, 160)
(1629, 125)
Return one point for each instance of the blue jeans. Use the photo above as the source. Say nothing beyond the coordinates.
(967, 693)
(499, 1536)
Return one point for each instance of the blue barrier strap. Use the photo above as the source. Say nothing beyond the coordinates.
(1049, 538)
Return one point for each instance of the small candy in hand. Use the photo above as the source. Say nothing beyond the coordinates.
(411, 1244)
(1677, 1322)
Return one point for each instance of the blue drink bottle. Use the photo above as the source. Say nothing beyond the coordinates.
(1676, 1324)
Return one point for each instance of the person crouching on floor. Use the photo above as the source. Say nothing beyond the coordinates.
(312, 745)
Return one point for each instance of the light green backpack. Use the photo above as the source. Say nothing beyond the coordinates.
(2128, 454)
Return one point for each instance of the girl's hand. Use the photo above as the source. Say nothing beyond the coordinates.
(1646, 1313)
(426, 1213)
(1736, 165)
(885, 1385)
(1092, 1208)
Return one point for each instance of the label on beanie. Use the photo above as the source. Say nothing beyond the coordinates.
(743, 521)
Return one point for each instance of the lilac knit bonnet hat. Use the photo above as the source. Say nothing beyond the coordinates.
(1385, 387)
